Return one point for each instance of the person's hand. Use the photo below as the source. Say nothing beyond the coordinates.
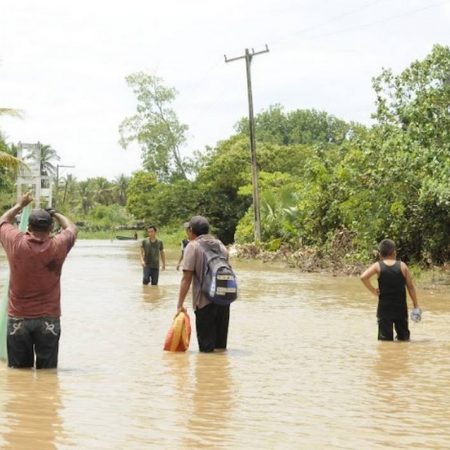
(416, 315)
(26, 199)
(51, 211)
(181, 309)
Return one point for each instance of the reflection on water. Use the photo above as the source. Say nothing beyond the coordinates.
(212, 399)
(303, 369)
(31, 410)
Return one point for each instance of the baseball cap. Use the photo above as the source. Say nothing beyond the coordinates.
(40, 220)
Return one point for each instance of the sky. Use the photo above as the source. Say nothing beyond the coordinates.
(63, 64)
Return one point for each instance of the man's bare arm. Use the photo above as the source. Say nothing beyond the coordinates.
(185, 284)
(10, 215)
(65, 223)
(410, 285)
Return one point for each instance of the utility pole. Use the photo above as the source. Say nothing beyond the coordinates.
(256, 209)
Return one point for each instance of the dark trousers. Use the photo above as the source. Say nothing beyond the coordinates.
(150, 274)
(211, 323)
(27, 338)
(386, 326)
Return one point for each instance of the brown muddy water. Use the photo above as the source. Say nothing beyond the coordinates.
(303, 369)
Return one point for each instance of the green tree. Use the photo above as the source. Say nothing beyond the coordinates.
(174, 203)
(46, 158)
(67, 193)
(8, 167)
(120, 185)
(306, 126)
(86, 197)
(102, 190)
(7, 160)
(155, 127)
(140, 192)
(414, 116)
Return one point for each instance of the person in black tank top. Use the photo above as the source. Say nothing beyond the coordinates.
(394, 279)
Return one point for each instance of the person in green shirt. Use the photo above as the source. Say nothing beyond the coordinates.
(151, 249)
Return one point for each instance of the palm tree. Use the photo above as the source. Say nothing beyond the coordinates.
(10, 112)
(102, 190)
(120, 189)
(6, 160)
(70, 185)
(45, 158)
(86, 196)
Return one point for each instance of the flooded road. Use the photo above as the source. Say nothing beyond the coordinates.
(303, 369)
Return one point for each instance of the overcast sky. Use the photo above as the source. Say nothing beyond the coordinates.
(63, 64)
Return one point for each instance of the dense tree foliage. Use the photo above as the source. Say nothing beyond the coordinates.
(390, 180)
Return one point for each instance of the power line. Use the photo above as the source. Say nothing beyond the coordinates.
(341, 16)
(358, 27)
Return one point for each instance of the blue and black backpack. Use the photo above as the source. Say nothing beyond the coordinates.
(219, 282)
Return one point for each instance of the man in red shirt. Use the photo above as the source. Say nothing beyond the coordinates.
(34, 308)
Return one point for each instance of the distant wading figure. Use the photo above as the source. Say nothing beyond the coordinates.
(34, 308)
(151, 250)
(211, 320)
(392, 310)
(184, 244)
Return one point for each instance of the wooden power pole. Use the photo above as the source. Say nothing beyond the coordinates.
(256, 209)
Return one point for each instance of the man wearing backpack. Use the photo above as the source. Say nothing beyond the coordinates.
(211, 318)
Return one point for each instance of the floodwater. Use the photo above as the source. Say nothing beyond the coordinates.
(303, 371)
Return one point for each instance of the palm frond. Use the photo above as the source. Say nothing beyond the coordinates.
(8, 161)
(11, 112)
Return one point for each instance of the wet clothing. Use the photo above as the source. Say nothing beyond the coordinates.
(150, 275)
(35, 271)
(29, 336)
(152, 251)
(392, 308)
(211, 323)
(211, 320)
(386, 326)
(392, 286)
(34, 306)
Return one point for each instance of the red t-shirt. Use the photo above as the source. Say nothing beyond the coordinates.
(35, 271)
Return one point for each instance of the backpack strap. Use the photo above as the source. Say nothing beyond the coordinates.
(204, 246)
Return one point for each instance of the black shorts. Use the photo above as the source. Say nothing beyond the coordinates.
(211, 323)
(28, 338)
(386, 329)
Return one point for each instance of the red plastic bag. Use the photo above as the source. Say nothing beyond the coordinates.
(179, 334)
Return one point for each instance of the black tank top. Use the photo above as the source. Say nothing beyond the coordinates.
(392, 298)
